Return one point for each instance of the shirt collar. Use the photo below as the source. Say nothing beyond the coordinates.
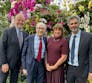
(18, 29)
(36, 36)
(78, 34)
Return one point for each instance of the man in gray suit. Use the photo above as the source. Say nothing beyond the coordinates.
(10, 57)
(33, 54)
(79, 67)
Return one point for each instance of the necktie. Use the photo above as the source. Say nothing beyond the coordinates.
(39, 51)
(73, 49)
(20, 38)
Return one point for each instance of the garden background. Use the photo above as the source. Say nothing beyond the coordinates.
(47, 11)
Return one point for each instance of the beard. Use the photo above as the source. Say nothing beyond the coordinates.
(74, 29)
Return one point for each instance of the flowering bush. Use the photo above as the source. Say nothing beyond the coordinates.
(81, 7)
(84, 10)
(37, 11)
(50, 15)
(3, 19)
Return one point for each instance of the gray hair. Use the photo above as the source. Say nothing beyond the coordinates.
(19, 15)
(73, 17)
(41, 24)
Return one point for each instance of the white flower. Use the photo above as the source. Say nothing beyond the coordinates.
(43, 20)
(38, 6)
(13, 4)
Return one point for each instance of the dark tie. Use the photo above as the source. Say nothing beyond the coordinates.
(39, 51)
(73, 49)
(20, 38)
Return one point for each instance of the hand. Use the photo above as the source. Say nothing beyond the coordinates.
(47, 65)
(21, 70)
(5, 68)
(90, 76)
(53, 67)
(24, 71)
(50, 68)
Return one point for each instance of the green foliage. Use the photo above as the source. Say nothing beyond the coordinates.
(51, 13)
(5, 7)
(83, 3)
(52, 9)
(3, 23)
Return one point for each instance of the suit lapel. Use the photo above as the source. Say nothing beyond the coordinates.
(32, 42)
(81, 41)
(44, 39)
(68, 38)
(24, 36)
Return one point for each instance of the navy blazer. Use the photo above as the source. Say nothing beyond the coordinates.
(28, 52)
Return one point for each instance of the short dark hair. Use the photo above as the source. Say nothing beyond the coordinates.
(73, 17)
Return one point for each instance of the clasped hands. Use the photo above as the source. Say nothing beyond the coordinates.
(50, 68)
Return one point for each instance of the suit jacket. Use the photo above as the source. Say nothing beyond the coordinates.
(10, 50)
(85, 53)
(28, 52)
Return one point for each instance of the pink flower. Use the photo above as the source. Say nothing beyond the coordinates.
(31, 3)
(24, 4)
(32, 9)
(12, 0)
(50, 23)
(49, 26)
(33, 24)
(9, 16)
(24, 12)
(47, 1)
(13, 11)
(59, 11)
(62, 22)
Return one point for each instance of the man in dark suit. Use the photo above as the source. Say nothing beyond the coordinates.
(10, 57)
(80, 53)
(33, 55)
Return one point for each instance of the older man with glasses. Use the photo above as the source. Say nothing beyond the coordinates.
(33, 55)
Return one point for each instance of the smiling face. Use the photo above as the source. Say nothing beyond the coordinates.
(74, 25)
(40, 29)
(19, 20)
(58, 31)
